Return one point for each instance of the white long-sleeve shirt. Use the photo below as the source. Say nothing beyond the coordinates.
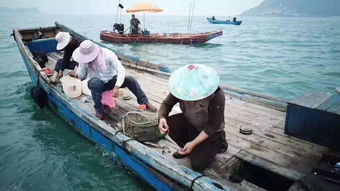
(113, 67)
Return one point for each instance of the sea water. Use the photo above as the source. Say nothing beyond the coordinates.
(280, 57)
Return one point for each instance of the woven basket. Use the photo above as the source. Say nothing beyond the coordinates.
(141, 126)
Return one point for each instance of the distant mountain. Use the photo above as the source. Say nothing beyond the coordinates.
(296, 8)
(33, 10)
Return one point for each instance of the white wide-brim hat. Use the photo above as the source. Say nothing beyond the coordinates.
(86, 52)
(63, 38)
(193, 82)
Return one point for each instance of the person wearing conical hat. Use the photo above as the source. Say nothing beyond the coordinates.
(105, 72)
(199, 129)
(68, 44)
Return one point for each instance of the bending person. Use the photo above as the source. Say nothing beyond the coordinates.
(199, 128)
(68, 44)
(105, 73)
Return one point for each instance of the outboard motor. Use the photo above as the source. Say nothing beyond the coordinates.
(119, 28)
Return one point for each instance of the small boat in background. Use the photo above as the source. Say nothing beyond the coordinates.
(227, 22)
(119, 35)
(172, 38)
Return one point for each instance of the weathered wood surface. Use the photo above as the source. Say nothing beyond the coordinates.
(268, 146)
(157, 160)
(267, 141)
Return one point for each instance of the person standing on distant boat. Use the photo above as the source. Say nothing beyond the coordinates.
(199, 129)
(68, 44)
(134, 22)
(213, 18)
(105, 73)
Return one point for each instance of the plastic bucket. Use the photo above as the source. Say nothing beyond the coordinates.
(84, 88)
(71, 86)
(108, 99)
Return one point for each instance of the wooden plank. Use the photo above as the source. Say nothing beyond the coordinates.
(233, 105)
(261, 162)
(282, 155)
(311, 147)
(279, 153)
(300, 147)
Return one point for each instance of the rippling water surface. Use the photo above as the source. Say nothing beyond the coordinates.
(281, 57)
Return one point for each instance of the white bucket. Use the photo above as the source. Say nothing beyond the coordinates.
(71, 86)
(84, 88)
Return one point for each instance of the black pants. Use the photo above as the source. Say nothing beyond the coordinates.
(61, 65)
(181, 131)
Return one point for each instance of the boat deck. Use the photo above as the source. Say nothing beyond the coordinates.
(267, 147)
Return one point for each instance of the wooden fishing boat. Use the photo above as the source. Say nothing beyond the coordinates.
(226, 22)
(267, 159)
(172, 38)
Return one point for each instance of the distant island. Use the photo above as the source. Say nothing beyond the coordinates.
(6, 10)
(295, 8)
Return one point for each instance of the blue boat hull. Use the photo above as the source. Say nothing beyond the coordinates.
(226, 22)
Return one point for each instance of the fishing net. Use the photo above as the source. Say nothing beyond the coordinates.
(141, 126)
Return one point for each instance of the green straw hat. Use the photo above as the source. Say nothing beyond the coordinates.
(193, 82)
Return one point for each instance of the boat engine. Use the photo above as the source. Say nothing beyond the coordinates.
(119, 28)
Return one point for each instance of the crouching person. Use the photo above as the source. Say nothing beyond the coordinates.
(198, 130)
(68, 44)
(105, 73)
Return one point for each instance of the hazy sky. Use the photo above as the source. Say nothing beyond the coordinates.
(171, 7)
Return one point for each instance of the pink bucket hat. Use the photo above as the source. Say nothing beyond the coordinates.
(86, 52)
(63, 38)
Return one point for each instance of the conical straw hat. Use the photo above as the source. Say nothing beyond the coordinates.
(193, 82)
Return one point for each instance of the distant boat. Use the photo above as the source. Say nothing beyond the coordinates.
(227, 22)
(172, 38)
(118, 34)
